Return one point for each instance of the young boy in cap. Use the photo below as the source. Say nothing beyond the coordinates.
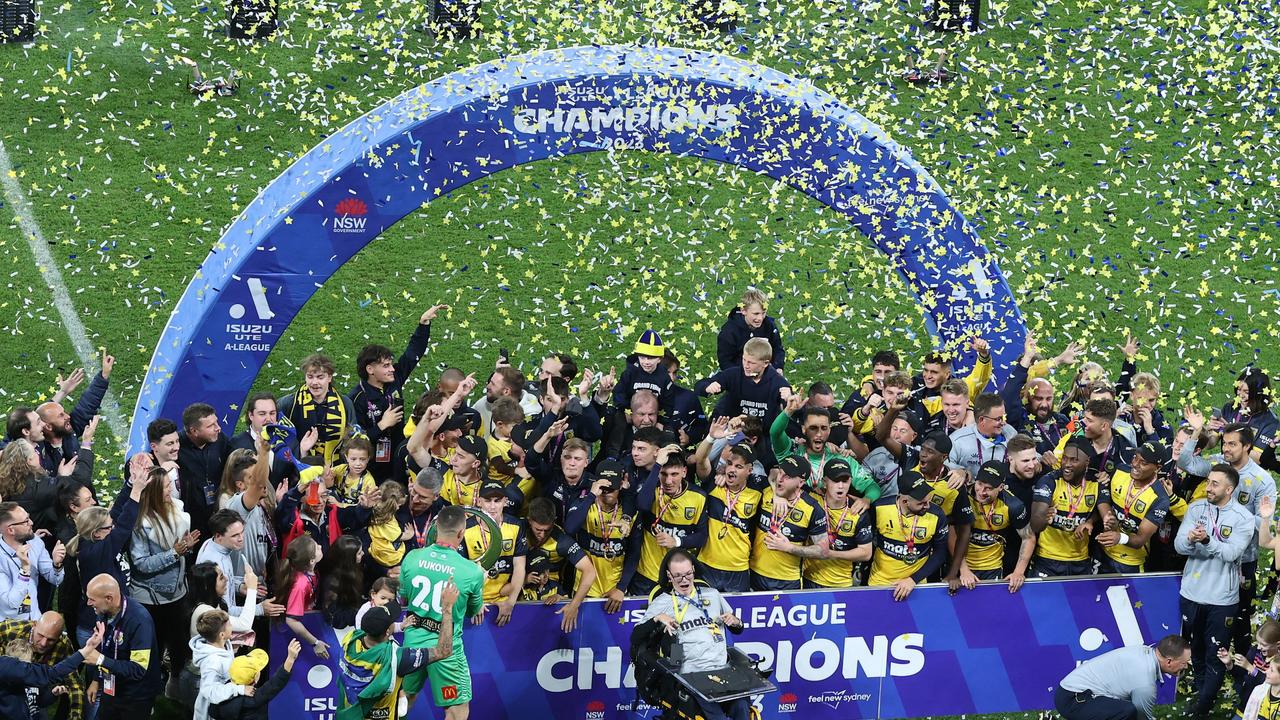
(505, 579)
(904, 537)
(245, 671)
(1139, 505)
(644, 371)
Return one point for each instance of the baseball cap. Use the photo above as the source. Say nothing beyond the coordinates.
(795, 467)
(837, 469)
(611, 472)
(993, 473)
(913, 419)
(538, 562)
(245, 669)
(1082, 444)
(376, 621)
(492, 488)
(913, 485)
(941, 442)
(1153, 452)
(475, 445)
(456, 421)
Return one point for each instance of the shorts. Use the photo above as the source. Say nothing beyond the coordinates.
(760, 583)
(450, 678)
(727, 581)
(1045, 568)
(993, 574)
(1110, 565)
(641, 586)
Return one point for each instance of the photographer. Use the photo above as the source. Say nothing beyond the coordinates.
(697, 616)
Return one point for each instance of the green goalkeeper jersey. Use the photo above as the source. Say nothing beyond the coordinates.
(422, 577)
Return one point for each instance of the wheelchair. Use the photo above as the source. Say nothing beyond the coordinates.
(677, 695)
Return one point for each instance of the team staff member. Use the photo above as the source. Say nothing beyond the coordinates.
(996, 512)
(1121, 684)
(1139, 506)
(128, 678)
(602, 523)
(732, 505)
(1220, 531)
(505, 579)
(563, 553)
(836, 568)
(671, 515)
(1064, 512)
(790, 528)
(905, 537)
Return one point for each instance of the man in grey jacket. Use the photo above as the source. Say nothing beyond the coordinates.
(1220, 531)
(1255, 483)
(1121, 684)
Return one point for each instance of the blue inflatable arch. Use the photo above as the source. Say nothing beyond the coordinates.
(468, 125)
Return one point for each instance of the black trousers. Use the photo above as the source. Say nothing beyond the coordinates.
(1087, 706)
(113, 709)
(172, 621)
(1241, 628)
(1208, 627)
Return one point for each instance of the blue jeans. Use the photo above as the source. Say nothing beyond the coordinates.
(90, 709)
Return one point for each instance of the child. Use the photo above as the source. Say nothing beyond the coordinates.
(644, 372)
(538, 582)
(1249, 670)
(211, 653)
(245, 671)
(297, 589)
(386, 537)
(1264, 703)
(316, 406)
(746, 321)
(349, 481)
(381, 594)
(754, 389)
(505, 415)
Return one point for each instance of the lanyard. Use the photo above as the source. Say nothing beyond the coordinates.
(994, 445)
(694, 602)
(911, 534)
(606, 527)
(1131, 497)
(833, 529)
(1074, 502)
(775, 518)
(662, 510)
(420, 533)
(988, 512)
(1213, 526)
(730, 502)
(457, 490)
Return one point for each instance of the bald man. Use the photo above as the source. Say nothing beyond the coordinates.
(24, 682)
(128, 678)
(49, 647)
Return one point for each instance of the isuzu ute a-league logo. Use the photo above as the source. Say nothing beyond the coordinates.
(349, 216)
(244, 334)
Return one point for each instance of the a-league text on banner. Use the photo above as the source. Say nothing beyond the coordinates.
(845, 654)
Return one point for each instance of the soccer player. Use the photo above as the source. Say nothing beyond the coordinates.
(505, 579)
(904, 537)
(791, 527)
(951, 497)
(670, 515)
(836, 568)
(936, 373)
(732, 504)
(1065, 508)
(424, 574)
(1111, 451)
(816, 425)
(1139, 505)
(468, 468)
(995, 512)
(602, 522)
(562, 552)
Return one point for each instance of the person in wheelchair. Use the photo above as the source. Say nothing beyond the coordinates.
(694, 618)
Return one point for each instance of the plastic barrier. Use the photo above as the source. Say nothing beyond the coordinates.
(836, 655)
(468, 125)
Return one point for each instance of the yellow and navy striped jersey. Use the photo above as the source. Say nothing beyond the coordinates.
(903, 545)
(456, 492)
(986, 542)
(1131, 505)
(514, 544)
(954, 502)
(842, 529)
(730, 518)
(680, 515)
(804, 524)
(1073, 505)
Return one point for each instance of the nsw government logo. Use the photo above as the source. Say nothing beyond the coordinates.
(350, 216)
(595, 710)
(787, 703)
